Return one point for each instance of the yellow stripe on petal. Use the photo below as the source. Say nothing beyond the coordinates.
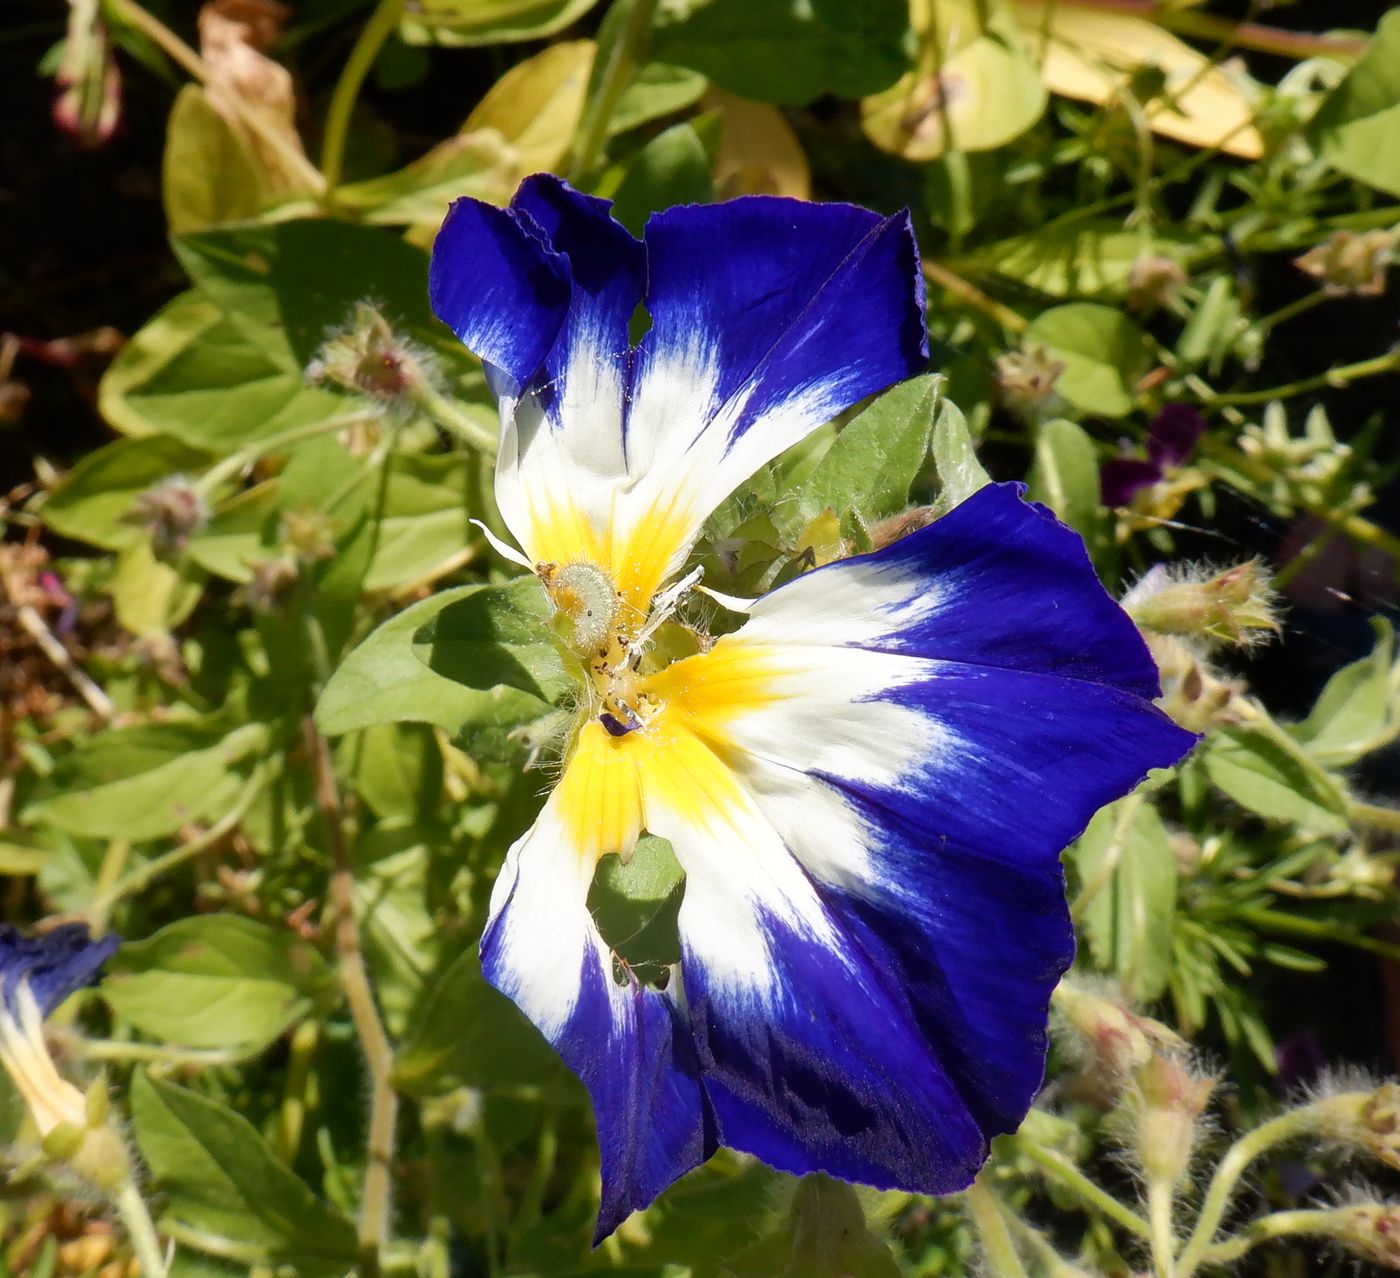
(597, 799)
(711, 689)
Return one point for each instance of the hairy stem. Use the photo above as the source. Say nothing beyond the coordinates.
(997, 1247)
(1069, 1177)
(364, 1013)
(136, 1218)
(1159, 1216)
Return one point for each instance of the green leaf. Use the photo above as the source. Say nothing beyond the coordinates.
(637, 906)
(398, 770)
(384, 681)
(1263, 769)
(490, 636)
(465, 22)
(673, 168)
(788, 51)
(145, 782)
(476, 164)
(875, 459)
(225, 1191)
(150, 596)
(1357, 128)
(1065, 475)
(208, 175)
(192, 373)
(1357, 710)
(427, 518)
(658, 90)
(285, 286)
(1126, 861)
(960, 474)
(467, 1034)
(1105, 355)
(94, 498)
(1092, 258)
(218, 980)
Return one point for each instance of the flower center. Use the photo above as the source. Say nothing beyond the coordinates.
(594, 623)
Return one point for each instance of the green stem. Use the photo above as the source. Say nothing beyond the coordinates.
(1000, 1252)
(1377, 818)
(1298, 306)
(372, 36)
(136, 1217)
(452, 419)
(292, 1117)
(1222, 1185)
(235, 463)
(1333, 379)
(150, 871)
(624, 56)
(1070, 1178)
(1282, 1224)
(1159, 1218)
(111, 1049)
(253, 118)
(1292, 925)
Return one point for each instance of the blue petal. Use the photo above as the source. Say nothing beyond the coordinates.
(628, 1044)
(496, 284)
(608, 270)
(786, 300)
(54, 965)
(834, 1074)
(970, 902)
(1000, 582)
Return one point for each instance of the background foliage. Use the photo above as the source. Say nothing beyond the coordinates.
(270, 709)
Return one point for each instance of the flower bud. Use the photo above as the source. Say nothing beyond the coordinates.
(1235, 605)
(368, 357)
(308, 534)
(88, 104)
(1370, 1230)
(1120, 1040)
(172, 511)
(1350, 262)
(1166, 1101)
(1193, 694)
(269, 585)
(1026, 383)
(1154, 281)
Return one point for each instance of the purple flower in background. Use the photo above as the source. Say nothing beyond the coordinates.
(1171, 439)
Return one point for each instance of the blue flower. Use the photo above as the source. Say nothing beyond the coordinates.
(868, 784)
(36, 974)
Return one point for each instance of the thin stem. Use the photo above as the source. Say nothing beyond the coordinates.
(452, 419)
(1222, 1185)
(37, 629)
(1292, 925)
(625, 55)
(150, 871)
(1333, 379)
(268, 130)
(374, 1042)
(235, 463)
(1159, 1218)
(1077, 1183)
(1378, 818)
(112, 1049)
(1000, 1252)
(1298, 306)
(1281, 1224)
(140, 1229)
(949, 280)
(292, 1117)
(371, 39)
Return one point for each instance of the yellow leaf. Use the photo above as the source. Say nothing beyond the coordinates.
(1090, 54)
(759, 154)
(974, 89)
(209, 175)
(535, 106)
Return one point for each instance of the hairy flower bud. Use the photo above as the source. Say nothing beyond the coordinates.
(1166, 1100)
(1026, 382)
(172, 511)
(1370, 1229)
(88, 104)
(368, 357)
(1154, 281)
(1120, 1040)
(1233, 606)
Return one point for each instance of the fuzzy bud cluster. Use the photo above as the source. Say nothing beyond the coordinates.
(1351, 262)
(1234, 605)
(1119, 1041)
(369, 358)
(1026, 382)
(1165, 1101)
(172, 511)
